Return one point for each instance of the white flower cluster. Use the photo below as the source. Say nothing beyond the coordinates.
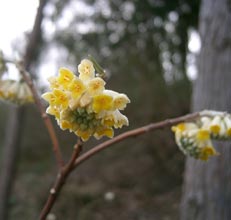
(217, 123)
(15, 91)
(195, 138)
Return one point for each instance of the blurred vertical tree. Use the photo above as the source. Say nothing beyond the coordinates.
(14, 125)
(207, 186)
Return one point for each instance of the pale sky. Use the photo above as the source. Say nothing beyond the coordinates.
(16, 17)
(194, 47)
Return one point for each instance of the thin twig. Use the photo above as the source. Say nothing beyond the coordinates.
(133, 133)
(60, 180)
(44, 116)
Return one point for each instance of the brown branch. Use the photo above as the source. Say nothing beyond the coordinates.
(34, 37)
(134, 133)
(76, 160)
(44, 116)
(60, 180)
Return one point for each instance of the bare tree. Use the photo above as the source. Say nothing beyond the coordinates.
(14, 125)
(207, 186)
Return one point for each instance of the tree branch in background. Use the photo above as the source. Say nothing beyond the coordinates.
(13, 131)
(44, 116)
(9, 157)
(76, 160)
(35, 37)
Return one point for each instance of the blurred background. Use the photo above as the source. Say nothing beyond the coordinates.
(149, 49)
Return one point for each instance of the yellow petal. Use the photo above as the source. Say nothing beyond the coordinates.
(86, 70)
(104, 132)
(77, 88)
(85, 135)
(120, 101)
(109, 122)
(102, 102)
(227, 121)
(115, 118)
(64, 124)
(121, 120)
(65, 77)
(215, 125)
(203, 135)
(181, 127)
(54, 84)
(206, 152)
(53, 111)
(85, 99)
(49, 97)
(95, 86)
(60, 98)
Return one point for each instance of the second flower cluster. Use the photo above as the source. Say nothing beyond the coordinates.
(195, 138)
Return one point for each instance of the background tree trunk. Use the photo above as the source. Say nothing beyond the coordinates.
(10, 152)
(207, 185)
(15, 122)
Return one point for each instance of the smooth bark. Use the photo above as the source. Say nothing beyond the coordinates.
(207, 185)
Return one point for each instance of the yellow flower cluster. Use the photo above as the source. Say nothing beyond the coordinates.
(194, 138)
(15, 91)
(83, 105)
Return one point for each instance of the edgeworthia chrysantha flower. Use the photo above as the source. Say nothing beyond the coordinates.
(195, 138)
(82, 105)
